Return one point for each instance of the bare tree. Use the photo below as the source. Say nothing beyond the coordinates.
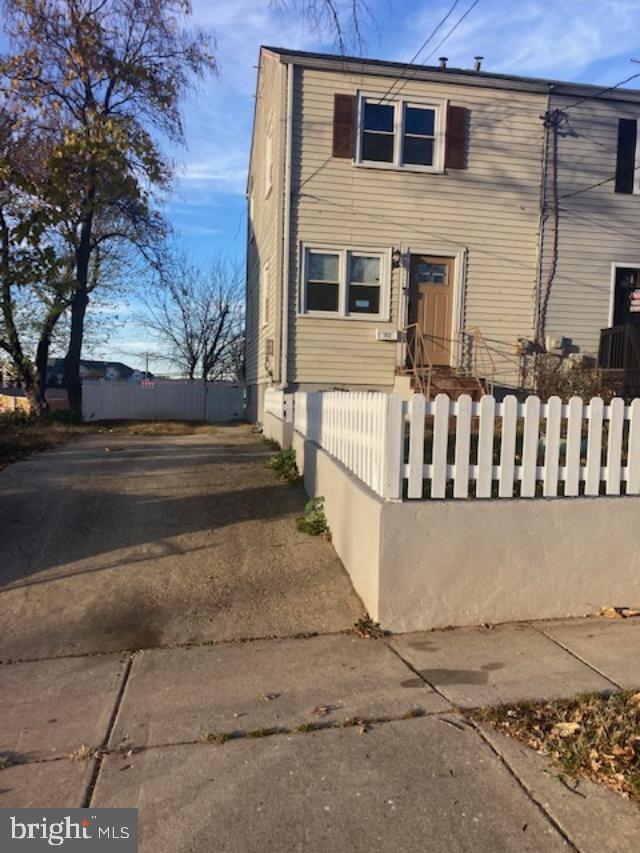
(343, 21)
(196, 317)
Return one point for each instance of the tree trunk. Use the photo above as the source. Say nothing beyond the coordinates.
(25, 371)
(71, 370)
(42, 351)
(35, 396)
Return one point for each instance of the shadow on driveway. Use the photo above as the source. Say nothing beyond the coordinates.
(128, 542)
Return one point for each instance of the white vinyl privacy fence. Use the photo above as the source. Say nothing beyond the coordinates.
(188, 400)
(463, 449)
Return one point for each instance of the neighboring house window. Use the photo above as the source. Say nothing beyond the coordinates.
(345, 283)
(268, 163)
(628, 156)
(403, 134)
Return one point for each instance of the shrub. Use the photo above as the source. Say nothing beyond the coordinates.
(566, 378)
(284, 464)
(314, 521)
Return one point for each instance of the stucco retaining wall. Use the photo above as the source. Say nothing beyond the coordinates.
(469, 562)
(419, 565)
(353, 514)
(275, 429)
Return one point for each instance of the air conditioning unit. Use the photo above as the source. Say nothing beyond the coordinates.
(554, 343)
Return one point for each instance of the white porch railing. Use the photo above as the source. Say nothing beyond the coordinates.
(461, 449)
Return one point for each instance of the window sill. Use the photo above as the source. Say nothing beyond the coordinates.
(332, 315)
(391, 167)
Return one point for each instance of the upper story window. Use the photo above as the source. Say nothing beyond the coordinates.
(403, 134)
(345, 283)
(627, 178)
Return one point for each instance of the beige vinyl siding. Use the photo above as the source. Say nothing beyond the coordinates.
(597, 227)
(264, 253)
(489, 211)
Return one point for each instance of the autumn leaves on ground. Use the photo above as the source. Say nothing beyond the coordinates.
(594, 736)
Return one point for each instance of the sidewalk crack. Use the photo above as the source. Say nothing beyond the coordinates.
(104, 746)
(578, 657)
(528, 793)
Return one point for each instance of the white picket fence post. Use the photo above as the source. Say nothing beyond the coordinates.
(461, 449)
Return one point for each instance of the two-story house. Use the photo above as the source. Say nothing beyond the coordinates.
(406, 220)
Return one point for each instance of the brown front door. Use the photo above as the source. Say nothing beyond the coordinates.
(431, 304)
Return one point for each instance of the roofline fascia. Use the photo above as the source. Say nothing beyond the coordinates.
(382, 68)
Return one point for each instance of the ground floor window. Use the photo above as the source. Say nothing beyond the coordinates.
(350, 283)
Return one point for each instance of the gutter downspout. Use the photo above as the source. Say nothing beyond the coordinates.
(286, 247)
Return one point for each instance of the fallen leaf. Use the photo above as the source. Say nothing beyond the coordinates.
(619, 612)
(268, 697)
(321, 710)
(566, 729)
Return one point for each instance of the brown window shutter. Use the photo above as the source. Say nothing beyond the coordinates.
(344, 110)
(456, 144)
(626, 161)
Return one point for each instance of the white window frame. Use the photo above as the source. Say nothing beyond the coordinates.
(399, 105)
(343, 253)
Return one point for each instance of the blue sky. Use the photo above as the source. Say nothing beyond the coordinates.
(564, 39)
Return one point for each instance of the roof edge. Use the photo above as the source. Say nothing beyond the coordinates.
(462, 76)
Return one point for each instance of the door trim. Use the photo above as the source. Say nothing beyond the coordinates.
(615, 266)
(459, 257)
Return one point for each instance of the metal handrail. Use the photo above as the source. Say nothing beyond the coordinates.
(485, 371)
(419, 359)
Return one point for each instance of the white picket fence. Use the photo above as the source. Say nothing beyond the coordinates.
(195, 400)
(352, 426)
(462, 449)
(279, 404)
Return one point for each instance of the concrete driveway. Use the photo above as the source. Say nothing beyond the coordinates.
(125, 542)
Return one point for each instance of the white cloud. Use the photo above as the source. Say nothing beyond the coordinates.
(219, 115)
(198, 230)
(540, 37)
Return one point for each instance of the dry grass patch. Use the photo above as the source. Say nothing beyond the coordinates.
(155, 428)
(22, 435)
(593, 736)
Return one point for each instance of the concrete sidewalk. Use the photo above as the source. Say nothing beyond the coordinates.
(337, 743)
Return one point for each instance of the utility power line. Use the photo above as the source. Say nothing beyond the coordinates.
(422, 47)
(441, 42)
